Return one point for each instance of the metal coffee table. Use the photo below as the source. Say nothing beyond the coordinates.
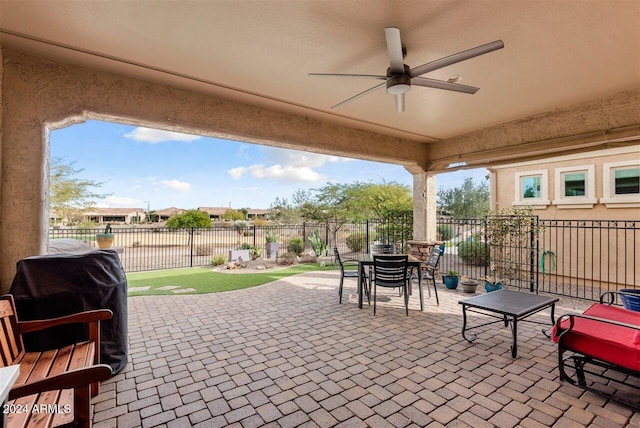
(509, 307)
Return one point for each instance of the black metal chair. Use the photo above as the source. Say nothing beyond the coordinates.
(429, 270)
(349, 269)
(390, 271)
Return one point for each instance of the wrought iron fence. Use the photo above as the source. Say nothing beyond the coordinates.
(151, 248)
(577, 258)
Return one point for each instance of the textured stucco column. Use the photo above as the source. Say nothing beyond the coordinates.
(25, 181)
(424, 206)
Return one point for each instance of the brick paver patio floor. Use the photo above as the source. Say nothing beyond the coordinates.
(286, 354)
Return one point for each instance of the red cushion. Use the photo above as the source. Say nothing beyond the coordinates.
(614, 344)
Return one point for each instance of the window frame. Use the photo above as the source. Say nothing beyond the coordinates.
(609, 198)
(537, 203)
(572, 202)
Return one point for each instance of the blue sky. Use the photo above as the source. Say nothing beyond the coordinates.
(143, 167)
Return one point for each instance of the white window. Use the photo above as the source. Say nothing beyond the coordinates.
(575, 187)
(621, 184)
(532, 188)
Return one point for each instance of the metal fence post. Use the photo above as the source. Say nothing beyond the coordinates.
(366, 225)
(304, 234)
(192, 235)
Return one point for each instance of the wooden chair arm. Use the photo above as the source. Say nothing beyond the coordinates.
(67, 380)
(81, 317)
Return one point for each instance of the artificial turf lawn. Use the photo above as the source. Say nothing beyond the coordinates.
(204, 280)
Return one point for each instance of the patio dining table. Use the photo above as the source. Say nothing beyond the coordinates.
(365, 260)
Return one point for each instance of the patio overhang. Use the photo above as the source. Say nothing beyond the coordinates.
(40, 94)
(240, 70)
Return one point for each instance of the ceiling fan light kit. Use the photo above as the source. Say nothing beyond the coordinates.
(400, 77)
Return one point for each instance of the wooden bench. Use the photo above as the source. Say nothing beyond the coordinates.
(603, 336)
(54, 387)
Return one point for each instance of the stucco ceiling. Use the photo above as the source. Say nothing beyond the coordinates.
(556, 54)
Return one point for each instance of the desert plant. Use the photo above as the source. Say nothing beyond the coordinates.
(356, 241)
(288, 258)
(259, 222)
(255, 252)
(452, 273)
(240, 227)
(296, 246)
(271, 237)
(218, 259)
(317, 244)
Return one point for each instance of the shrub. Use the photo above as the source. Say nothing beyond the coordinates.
(287, 258)
(255, 252)
(218, 259)
(445, 232)
(259, 222)
(308, 259)
(474, 252)
(356, 241)
(202, 249)
(245, 246)
(296, 246)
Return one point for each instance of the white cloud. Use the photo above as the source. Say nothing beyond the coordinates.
(297, 158)
(120, 202)
(149, 135)
(237, 173)
(288, 173)
(179, 186)
(287, 165)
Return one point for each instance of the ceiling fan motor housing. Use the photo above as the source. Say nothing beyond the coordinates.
(398, 84)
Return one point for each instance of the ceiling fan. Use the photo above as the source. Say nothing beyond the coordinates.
(400, 77)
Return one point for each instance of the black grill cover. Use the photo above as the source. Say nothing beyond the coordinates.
(61, 284)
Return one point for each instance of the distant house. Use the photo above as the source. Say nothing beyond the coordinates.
(253, 214)
(165, 213)
(596, 185)
(115, 215)
(215, 213)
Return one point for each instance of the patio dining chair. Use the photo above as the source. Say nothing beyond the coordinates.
(349, 269)
(391, 271)
(429, 270)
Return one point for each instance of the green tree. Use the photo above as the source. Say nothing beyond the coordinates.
(231, 214)
(466, 201)
(189, 220)
(378, 200)
(69, 195)
(330, 205)
(290, 212)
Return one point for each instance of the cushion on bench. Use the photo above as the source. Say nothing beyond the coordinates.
(606, 342)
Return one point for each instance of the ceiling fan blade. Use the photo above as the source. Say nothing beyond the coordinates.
(361, 94)
(394, 47)
(452, 59)
(441, 84)
(399, 103)
(357, 76)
